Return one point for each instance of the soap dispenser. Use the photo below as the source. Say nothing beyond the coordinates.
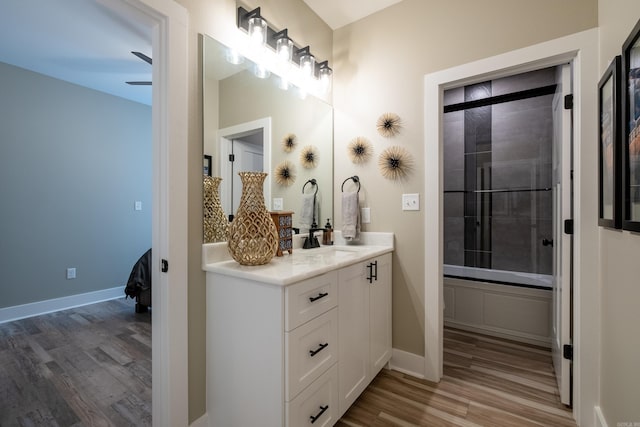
(327, 234)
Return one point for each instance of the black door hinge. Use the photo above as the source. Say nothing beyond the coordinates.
(165, 265)
(568, 226)
(567, 351)
(232, 157)
(568, 102)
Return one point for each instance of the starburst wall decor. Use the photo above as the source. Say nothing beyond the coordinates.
(359, 150)
(389, 125)
(285, 173)
(289, 142)
(309, 157)
(395, 163)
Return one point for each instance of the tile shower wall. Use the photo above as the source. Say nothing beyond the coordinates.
(497, 177)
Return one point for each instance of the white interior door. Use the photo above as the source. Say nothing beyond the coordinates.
(248, 157)
(562, 210)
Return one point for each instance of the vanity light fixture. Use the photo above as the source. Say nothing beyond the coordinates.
(257, 28)
(325, 74)
(261, 72)
(286, 51)
(307, 62)
(233, 57)
(284, 46)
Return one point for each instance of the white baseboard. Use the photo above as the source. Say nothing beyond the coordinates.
(17, 312)
(407, 363)
(203, 421)
(599, 417)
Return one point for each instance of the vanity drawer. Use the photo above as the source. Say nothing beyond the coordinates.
(319, 400)
(310, 350)
(310, 298)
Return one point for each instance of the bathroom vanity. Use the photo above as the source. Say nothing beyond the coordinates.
(294, 342)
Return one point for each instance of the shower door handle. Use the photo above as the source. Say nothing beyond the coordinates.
(547, 242)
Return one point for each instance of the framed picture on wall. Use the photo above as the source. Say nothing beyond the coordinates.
(631, 132)
(610, 150)
(207, 165)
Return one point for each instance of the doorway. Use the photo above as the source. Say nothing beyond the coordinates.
(580, 49)
(244, 147)
(507, 188)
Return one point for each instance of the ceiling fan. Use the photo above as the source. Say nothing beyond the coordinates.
(146, 59)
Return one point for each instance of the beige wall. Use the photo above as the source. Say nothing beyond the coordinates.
(620, 373)
(380, 63)
(217, 18)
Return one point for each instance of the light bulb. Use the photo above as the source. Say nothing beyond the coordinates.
(325, 75)
(284, 49)
(307, 65)
(257, 31)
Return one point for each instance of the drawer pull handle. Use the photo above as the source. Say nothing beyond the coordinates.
(322, 347)
(320, 296)
(373, 275)
(319, 414)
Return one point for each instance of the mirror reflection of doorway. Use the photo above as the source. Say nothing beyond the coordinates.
(244, 147)
(247, 156)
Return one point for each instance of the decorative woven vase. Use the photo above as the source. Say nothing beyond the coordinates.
(253, 238)
(215, 221)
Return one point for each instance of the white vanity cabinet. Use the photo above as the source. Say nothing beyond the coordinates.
(271, 350)
(364, 318)
(285, 339)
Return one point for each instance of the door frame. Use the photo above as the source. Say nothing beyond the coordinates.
(582, 50)
(226, 137)
(169, 121)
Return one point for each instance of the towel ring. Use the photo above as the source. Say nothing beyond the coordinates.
(313, 182)
(355, 179)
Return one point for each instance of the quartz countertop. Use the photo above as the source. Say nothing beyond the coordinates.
(302, 263)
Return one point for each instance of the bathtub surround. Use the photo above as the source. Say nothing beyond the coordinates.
(497, 173)
(514, 312)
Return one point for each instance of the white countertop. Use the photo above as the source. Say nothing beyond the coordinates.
(302, 263)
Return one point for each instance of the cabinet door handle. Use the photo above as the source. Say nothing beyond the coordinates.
(372, 274)
(322, 347)
(314, 418)
(320, 296)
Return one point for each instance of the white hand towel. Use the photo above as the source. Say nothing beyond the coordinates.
(306, 212)
(350, 216)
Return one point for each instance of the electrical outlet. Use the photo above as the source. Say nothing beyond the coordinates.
(411, 202)
(137, 205)
(71, 273)
(365, 215)
(278, 203)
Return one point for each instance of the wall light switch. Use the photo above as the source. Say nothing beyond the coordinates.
(365, 215)
(71, 273)
(138, 205)
(411, 202)
(278, 203)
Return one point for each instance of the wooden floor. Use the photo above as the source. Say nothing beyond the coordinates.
(91, 366)
(88, 366)
(487, 382)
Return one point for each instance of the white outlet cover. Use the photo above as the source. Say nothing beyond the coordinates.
(365, 214)
(71, 273)
(278, 204)
(138, 205)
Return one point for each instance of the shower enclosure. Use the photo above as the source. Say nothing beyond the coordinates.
(498, 197)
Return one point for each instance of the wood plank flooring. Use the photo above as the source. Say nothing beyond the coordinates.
(91, 366)
(87, 366)
(487, 382)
